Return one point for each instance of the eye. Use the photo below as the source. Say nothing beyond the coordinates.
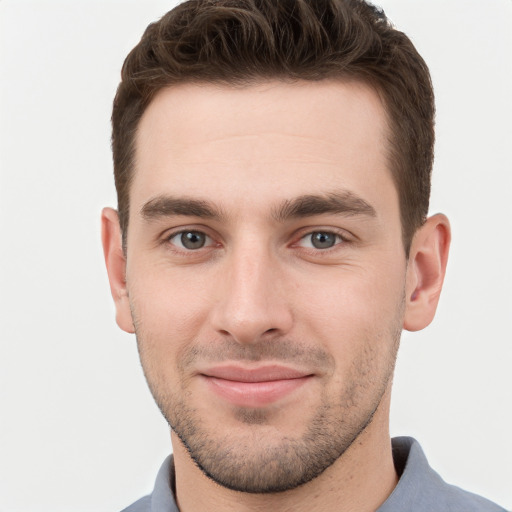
(190, 240)
(320, 240)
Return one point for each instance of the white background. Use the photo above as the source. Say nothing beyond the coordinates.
(78, 428)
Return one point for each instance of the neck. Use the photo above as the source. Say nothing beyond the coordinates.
(360, 480)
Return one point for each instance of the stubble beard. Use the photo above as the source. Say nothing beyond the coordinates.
(264, 460)
(259, 464)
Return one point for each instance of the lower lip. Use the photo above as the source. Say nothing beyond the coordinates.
(254, 394)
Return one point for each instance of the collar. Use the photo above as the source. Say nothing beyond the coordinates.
(419, 488)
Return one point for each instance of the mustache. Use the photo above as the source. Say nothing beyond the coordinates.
(275, 350)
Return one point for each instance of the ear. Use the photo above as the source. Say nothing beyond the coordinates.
(425, 272)
(115, 261)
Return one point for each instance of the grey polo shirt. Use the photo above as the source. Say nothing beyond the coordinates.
(420, 488)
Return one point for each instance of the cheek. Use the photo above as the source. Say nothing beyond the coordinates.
(169, 307)
(356, 304)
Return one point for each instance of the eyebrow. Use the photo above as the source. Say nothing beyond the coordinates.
(168, 206)
(345, 203)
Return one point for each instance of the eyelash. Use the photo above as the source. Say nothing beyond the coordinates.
(341, 239)
(168, 239)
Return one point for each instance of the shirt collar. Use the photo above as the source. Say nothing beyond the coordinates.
(419, 488)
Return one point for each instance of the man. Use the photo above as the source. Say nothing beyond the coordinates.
(272, 163)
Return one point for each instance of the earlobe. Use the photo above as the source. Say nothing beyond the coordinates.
(115, 261)
(426, 270)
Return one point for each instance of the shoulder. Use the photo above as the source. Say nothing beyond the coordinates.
(420, 488)
(142, 505)
(459, 500)
(454, 499)
(162, 497)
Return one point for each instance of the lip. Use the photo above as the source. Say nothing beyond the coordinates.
(254, 387)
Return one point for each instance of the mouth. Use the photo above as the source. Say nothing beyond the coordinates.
(254, 387)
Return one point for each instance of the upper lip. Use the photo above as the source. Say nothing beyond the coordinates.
(265, 373)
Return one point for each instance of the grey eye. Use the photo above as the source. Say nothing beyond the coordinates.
(193, 239)
(190, 240)
(323, 239)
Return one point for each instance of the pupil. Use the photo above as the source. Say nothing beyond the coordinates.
(323, 240)
(193, 240)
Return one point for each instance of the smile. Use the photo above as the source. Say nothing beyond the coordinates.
(254, 387)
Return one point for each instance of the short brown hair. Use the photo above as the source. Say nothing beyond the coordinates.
(240, 42)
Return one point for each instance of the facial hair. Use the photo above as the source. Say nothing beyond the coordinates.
(258, 457)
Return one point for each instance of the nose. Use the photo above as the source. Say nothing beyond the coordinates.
(252, 303)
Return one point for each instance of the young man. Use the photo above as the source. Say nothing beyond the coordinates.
(272, 162)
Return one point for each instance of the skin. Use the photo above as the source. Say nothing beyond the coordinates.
(302, 267)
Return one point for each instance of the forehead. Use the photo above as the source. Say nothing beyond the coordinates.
(261, 143)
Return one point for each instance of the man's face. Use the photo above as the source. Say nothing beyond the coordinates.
(265, 273)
